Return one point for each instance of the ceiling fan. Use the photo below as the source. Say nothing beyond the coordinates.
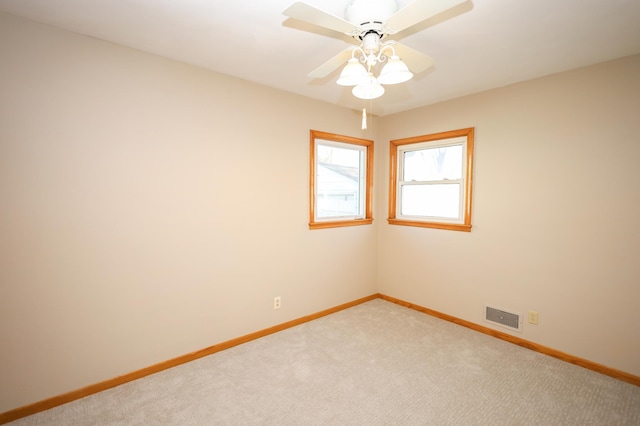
(370, 22)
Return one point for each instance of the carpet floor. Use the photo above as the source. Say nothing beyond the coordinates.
(374, 364)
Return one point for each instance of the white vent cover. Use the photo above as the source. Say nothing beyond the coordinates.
(503, 318)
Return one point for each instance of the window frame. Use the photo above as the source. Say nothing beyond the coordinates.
(367, 207)
(438, 139)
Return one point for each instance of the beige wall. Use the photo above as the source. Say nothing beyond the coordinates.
(149, 209)
(556, 206)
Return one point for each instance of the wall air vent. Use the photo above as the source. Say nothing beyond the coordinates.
(503, 318)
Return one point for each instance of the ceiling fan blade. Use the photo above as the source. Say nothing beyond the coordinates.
(333, 63)
(307, 13)
(418, 11)
(416, 61)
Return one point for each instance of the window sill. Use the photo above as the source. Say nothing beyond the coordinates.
(340, 223)
(437, 225)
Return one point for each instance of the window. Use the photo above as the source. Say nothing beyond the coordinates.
(341, 181)
(430, 180)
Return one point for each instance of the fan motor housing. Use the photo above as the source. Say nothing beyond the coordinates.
(362, 12)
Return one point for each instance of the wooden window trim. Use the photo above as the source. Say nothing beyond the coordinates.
(368, 207)
(468, 190)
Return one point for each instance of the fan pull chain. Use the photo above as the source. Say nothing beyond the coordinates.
(364, 118)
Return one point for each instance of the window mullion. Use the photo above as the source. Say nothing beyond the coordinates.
(433, 182)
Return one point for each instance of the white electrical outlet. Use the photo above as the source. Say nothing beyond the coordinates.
(276, 302)
(533, 317)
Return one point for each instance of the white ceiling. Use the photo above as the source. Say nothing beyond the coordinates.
(481, 45)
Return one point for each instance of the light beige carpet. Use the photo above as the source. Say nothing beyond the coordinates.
(374, 364)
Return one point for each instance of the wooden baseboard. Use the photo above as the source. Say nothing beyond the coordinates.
(55, 401)
(612, 372)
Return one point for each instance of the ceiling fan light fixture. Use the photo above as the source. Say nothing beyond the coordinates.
(352, 74)
(370, 21)
(395, 71)
(368, 89)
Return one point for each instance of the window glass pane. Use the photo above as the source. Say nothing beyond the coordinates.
(431, 200)
(433, 164)
(339, 181)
